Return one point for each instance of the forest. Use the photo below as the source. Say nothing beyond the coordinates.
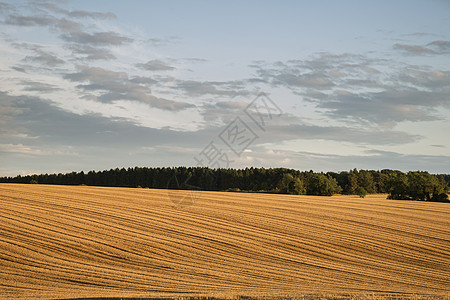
(414, 185)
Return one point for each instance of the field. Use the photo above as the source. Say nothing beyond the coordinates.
(79, 241)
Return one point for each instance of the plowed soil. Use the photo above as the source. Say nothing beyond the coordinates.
(79, 241)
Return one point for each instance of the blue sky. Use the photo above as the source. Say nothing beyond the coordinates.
(102, 84)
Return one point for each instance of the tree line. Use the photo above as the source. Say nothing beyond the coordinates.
(418, 185)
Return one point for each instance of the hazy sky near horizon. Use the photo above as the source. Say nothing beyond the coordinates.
(93, 85)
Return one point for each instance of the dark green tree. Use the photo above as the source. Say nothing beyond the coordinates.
(361, 192)
(291, 185)
(321, 185)
(397, 186)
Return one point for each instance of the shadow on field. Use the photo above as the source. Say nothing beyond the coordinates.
(372, 296)
(173, 298)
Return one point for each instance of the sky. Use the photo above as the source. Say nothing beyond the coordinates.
(310, 85)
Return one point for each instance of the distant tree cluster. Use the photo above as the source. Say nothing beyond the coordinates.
(418, 186)
(413, 185)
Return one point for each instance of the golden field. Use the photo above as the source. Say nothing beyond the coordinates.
(79, 241)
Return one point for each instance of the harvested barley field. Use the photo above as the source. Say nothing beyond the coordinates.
(79, 241)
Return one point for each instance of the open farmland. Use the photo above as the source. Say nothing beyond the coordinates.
(79, 241)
